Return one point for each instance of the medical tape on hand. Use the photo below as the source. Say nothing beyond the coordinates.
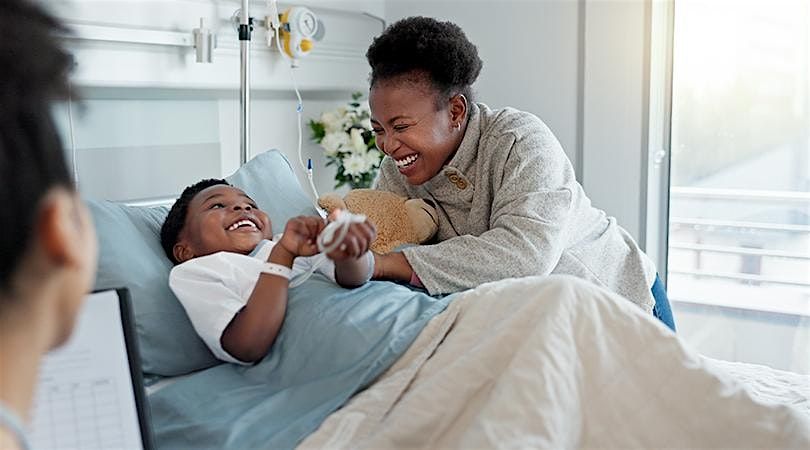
(332, 236)
(329, 240)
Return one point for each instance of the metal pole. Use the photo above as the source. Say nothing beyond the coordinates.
(245, 29)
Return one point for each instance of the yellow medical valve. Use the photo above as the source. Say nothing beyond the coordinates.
(299, 27)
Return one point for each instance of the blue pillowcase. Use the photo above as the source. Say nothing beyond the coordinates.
(270, 180)
(130, 255)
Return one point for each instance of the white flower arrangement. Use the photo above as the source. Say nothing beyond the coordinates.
(348, 143)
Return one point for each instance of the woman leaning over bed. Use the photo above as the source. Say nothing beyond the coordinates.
(508, 202)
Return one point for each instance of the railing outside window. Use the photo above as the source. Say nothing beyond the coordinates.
(711, 257)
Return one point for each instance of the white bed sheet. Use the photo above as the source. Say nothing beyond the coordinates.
(558, 363)
(768, 385)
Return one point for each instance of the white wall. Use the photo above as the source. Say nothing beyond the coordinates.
(616, 92)
(530, 51)
(149, 105)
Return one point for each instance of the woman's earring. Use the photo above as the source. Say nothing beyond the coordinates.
(458, 125)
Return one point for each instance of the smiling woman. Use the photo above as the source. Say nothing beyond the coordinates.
(411, 129)
(508, 202)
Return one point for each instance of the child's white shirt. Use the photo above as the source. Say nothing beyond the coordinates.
(214, 288)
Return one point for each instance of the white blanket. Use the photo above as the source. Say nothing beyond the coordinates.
(558, 363)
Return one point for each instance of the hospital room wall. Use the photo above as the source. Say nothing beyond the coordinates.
(530, 51)
(535, 58)
(166, 144)
(151, 120)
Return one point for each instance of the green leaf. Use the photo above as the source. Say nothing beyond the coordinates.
(318, 130)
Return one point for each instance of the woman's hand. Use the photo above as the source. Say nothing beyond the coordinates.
(300, 235)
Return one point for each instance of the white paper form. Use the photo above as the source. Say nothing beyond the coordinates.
(85, 397)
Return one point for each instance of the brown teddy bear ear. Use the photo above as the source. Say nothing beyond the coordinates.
(331, 202)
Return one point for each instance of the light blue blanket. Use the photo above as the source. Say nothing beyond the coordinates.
(333, 343)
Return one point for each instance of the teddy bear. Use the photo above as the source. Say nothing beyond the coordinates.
(399, 220)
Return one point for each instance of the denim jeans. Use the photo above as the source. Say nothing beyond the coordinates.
(662, 310)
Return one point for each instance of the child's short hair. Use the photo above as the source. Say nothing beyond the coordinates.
(176, 220)
(32, 160)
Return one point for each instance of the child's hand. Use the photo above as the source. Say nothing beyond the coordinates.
(300, 234)
(356, 243)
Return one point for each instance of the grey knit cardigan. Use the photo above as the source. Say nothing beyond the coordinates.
(509, 205)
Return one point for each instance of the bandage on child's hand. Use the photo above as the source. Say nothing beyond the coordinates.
(359, 234)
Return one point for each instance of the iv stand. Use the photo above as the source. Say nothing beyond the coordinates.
(245, 29)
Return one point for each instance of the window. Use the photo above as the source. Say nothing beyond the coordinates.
(738, 267)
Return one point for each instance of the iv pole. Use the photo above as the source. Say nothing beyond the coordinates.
(245, 29)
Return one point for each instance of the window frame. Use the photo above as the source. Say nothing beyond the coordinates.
(662, 20)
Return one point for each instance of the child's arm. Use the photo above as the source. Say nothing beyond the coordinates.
(355, 272)
(251, 333)
(354, 264)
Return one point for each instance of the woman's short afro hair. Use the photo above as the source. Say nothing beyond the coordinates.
(422, 45)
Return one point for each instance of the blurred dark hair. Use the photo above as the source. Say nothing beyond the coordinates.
(421, 46)
(176, 220)
(32, 161)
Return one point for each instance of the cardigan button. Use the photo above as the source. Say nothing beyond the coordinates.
(454, 178)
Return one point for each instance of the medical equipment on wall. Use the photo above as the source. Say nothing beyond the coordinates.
(299, 31)
(294, 32)
(244, 29)
(204, 43)
(298, 28)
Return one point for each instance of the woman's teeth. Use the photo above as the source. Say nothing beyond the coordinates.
(241, 223)
(407, 161)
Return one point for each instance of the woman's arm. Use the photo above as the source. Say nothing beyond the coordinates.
(392, 266)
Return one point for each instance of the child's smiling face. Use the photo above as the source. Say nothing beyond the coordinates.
(221, 218)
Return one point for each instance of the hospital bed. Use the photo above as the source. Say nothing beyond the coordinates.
(539, 362)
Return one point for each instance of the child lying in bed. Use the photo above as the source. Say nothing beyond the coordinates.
(232, 278)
